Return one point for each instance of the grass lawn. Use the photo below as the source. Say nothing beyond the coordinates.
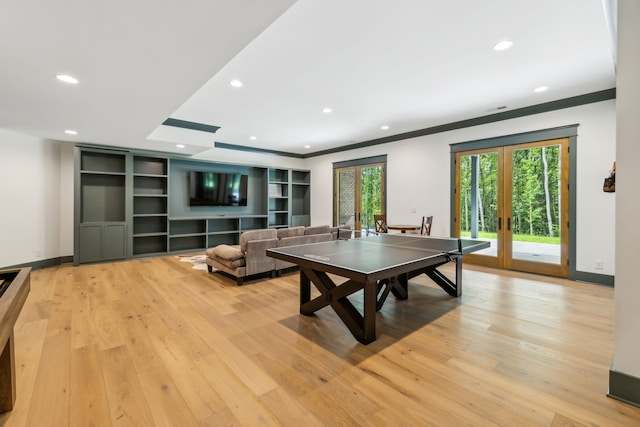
(516, 237)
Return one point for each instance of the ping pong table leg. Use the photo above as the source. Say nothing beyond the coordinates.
(305, 288)
(458, 262)
(401, 286)
(362, 326)
(369, 317)
(452, 288)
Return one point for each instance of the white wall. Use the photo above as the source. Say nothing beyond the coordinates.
(418, 176)
(41, 183)
(37, 199)
(626, 357)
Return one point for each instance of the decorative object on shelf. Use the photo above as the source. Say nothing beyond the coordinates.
(610, 181)
(275, 190)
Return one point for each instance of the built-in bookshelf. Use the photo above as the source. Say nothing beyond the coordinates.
(150, 205)
(191, 234)
(136, 204)
(101, 206)
(278, 198)
(300, 198)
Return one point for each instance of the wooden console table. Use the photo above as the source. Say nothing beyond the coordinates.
(14, 288)
(404, 227)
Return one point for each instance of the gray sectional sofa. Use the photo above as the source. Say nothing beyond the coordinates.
(249, 257)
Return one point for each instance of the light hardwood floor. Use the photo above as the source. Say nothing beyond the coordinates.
(153, 342)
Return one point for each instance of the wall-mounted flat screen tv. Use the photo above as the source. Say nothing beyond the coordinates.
(217, 189)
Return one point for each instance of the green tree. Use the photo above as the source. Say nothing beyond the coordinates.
(371, 193)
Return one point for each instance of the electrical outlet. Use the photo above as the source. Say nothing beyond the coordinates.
(38, 254)
(413, 210)
(599, 264)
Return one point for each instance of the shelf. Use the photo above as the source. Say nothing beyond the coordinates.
(297, 220)
(147, 245)
(278, 204)
(146, 184)
(97, 172)
(149, 224)
(279, 176)
(278, 219)
(278, 190)
(186, 243)
(223, 224)
(151, 215)
(253, 223)
(149, 166)
(300, 177)
(223, 239)
(102, 162)
(150, 205)
(150, 234)
(301, 200)
(187, 227)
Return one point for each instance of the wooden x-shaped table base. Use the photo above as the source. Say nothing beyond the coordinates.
(363, 326)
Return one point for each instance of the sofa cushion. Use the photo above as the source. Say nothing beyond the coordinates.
(317, 229)
(225, 252)
(247, 236)
(293, 240)
(316, 238)
(233, 264)
(290, 232)
(342, 232)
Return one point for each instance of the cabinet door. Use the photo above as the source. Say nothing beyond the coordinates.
(114, 241)
(102, 242)
(90, 243)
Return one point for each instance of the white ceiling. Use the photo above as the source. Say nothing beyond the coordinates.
(408, 64)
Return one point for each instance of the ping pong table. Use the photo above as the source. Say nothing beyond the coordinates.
(378, 265)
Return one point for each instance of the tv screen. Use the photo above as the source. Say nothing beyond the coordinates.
(217, 189)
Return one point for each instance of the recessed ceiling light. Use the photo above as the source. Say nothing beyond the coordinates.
(307, 146)
(253, 138)
(327, 110)
(503, 45)
(384, 127)
(541, 88)
(67, 79)
(71, 132)
(180, 145)
(235, 83)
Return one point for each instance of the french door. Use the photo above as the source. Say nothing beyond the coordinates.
(359, 193)
(517, 198)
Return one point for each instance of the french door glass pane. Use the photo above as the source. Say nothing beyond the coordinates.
(536, 205)
(479, 199)
(370, 195)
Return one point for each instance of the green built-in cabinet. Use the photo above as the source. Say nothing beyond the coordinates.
(150, 205)
(136, 204)
(289, 198)
(101, 206)
(300, 198)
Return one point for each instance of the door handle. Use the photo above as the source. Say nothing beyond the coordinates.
(499, 223)
(509, 224)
